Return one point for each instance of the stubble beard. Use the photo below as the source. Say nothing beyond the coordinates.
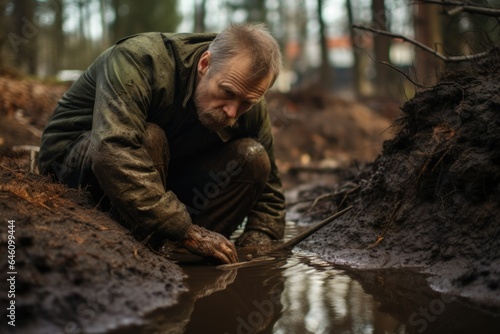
(213, 119)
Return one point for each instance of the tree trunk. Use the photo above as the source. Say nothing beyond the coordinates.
(384, 81)
(257, 11)
(24, 36)
(104, 24)
(58, 40)
(428, 32)
(199, 16)
(3, 29)
(326, 73)
(117, 31)
(356, 67)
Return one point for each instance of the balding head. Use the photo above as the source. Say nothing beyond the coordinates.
(251, 40)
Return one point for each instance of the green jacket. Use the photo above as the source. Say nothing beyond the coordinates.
(148, 78)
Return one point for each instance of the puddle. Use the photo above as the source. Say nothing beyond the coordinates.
(302, 294)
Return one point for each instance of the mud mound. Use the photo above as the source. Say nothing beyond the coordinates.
(33, 99)
(25, 106)
(312, 127)
(77, 269)
(431, 199)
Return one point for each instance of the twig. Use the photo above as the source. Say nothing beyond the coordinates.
(406, 75)
(336, 194)
(290, 204)
(381, 236)
(451, 59)
(319, 198)
(465, 7)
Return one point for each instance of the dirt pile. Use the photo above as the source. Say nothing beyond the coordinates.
(25, 107)
(315, 131)
(432, 198)
(78, 270)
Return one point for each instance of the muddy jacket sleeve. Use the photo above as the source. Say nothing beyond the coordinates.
(120, 162)
(268, 214)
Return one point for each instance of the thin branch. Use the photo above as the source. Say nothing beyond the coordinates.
(465, 7)
(451, 59)
(406, 75)
(344, 192)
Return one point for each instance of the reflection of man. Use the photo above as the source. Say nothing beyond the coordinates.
(245, 300)
(172, 129)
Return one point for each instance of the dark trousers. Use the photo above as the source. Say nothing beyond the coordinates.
(218, 187)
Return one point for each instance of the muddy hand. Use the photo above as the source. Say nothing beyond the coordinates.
(200, 241)
(253, 243)
(253, 238)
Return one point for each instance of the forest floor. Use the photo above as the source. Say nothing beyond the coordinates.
(425, 191)
(431, 200)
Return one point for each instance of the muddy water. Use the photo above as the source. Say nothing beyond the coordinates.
(302, 294)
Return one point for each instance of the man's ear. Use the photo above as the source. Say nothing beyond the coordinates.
(203, 63)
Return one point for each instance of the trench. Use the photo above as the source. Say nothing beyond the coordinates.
(300, 293)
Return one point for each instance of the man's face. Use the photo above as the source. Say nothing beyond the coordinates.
(223, 96)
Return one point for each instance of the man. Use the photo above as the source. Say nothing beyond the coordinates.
(172, 130)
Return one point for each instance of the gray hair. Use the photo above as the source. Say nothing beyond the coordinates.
(250, 39)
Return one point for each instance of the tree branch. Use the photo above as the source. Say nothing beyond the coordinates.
(406, 75)
(466, 7)
(450, 59)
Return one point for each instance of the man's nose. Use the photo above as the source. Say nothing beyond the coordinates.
(231, 109)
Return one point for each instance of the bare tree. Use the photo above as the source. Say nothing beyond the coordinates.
(104, 24)
(57, 40)
(3, 28)
(326, 76)
(25, 35)
(356, 68)
(381, 47)
(428, 32)
(200, 12)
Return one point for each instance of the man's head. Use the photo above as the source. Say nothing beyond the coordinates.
(234, 73)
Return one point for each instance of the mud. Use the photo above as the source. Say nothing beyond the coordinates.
(77, 269)
(429, 202)
(431, 198)
(406, 296)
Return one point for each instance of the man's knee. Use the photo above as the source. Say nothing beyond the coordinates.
(156, 143)
(253, 160)
(154, 136)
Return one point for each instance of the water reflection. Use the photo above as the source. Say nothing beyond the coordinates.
(302, 294)
(294, 295)
(320, 299)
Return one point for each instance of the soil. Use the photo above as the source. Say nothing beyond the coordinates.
(430, 200)
(77, 269)
(317, 134)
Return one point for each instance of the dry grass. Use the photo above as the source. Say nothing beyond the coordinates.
(34, 189)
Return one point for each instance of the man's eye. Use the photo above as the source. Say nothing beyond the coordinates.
(227, 92)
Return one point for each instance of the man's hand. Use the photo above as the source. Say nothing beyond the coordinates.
(253, 243)
(253, 238)
(200, 241)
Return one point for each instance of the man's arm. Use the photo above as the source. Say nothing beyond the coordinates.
(124, 168)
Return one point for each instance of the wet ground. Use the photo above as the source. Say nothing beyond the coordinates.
(428, 203)
(303, 294)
